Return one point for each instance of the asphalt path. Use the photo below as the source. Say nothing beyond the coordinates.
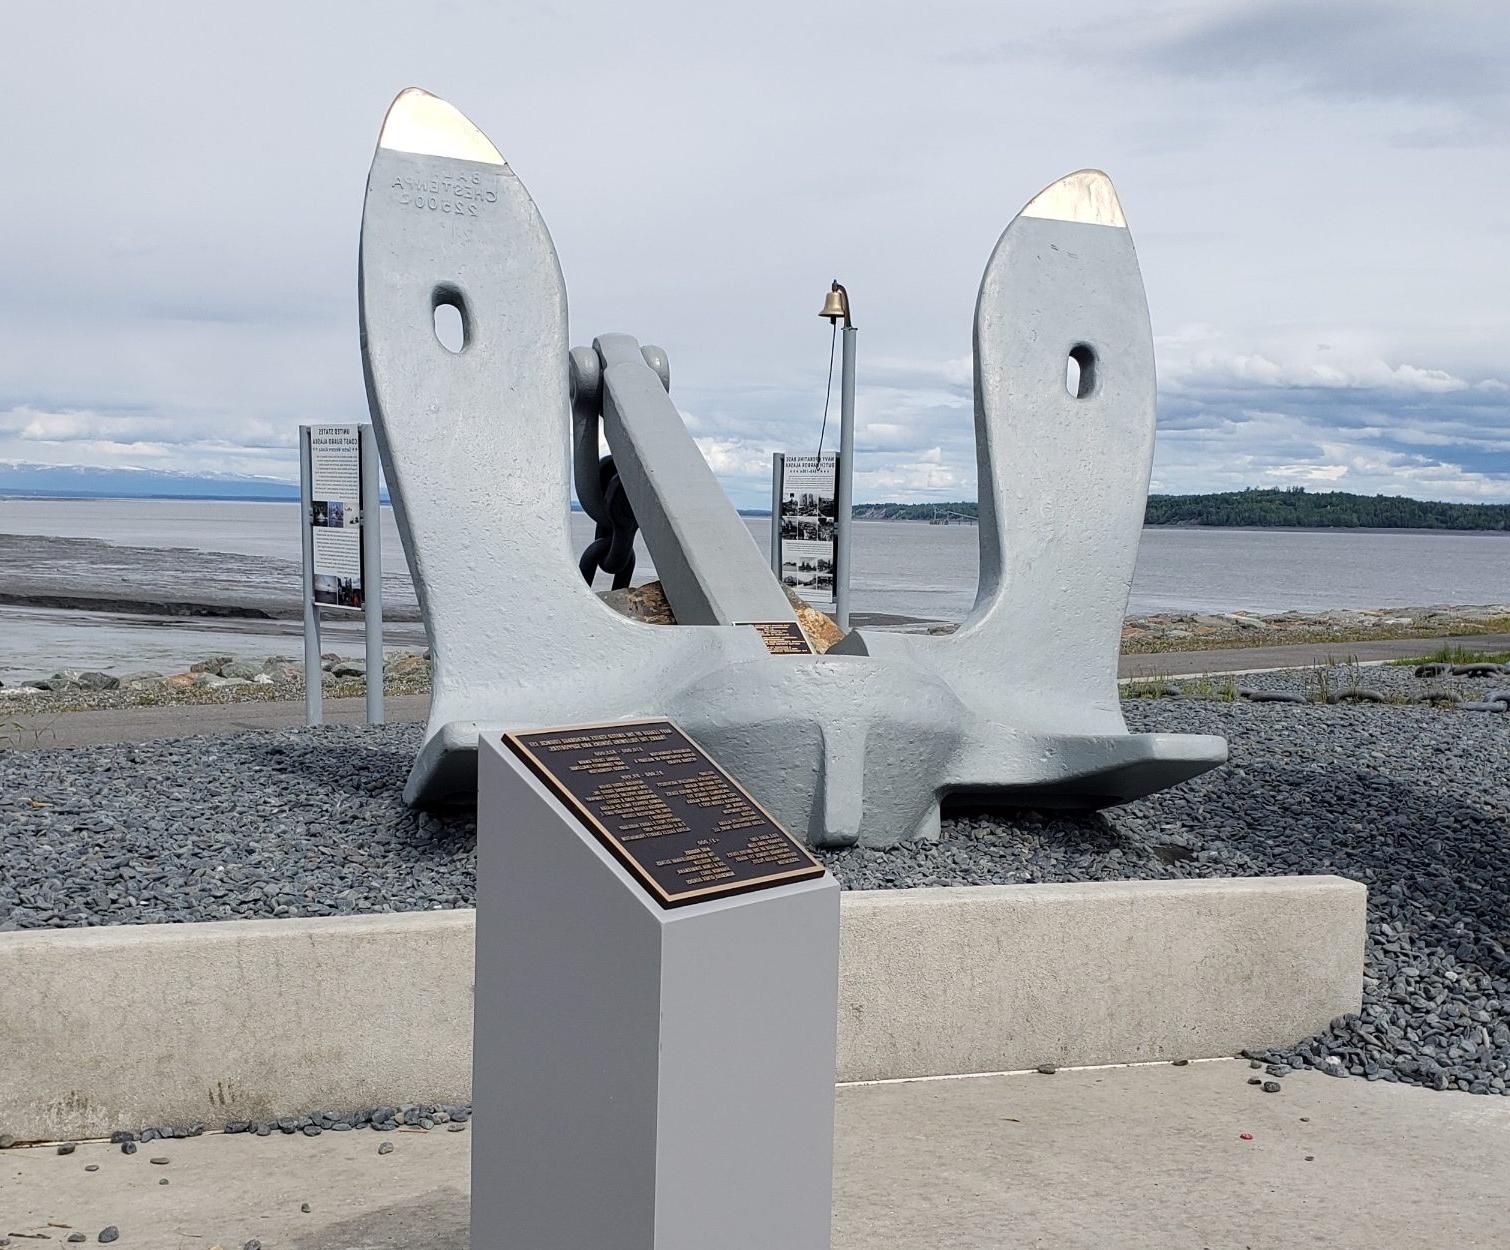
(45, 730)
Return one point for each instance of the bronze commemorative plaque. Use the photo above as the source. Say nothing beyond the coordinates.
(684, 828)
(781, 637)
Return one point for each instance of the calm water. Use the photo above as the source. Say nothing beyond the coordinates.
(168, 548)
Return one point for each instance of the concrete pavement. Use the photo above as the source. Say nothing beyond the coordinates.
(141, 724)
(1144, 1158)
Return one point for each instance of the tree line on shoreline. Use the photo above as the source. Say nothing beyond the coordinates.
(1291, 507)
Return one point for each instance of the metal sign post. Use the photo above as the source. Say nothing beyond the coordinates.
(844, 518)
(312, 672)
(340, 521)
(372, 573)
(778, 469)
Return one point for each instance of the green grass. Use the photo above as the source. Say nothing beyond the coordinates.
(1456, 655)
(1223, 689)
(15, 734)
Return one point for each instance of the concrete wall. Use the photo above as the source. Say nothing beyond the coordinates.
(130, 1026)
(1001, 978)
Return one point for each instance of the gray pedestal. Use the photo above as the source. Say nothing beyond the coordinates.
(644, 1078)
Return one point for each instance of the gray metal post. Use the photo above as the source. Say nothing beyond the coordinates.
(844, 519)
(312, 671)
(778, 463)
(372, 573)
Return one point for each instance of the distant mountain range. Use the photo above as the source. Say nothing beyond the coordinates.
(78, 481)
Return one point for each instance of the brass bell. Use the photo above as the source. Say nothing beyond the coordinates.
(836, 304)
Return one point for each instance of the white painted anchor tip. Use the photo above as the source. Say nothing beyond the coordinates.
(425, 124)
(1085, 196)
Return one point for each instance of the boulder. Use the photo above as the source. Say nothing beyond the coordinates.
(212, 665)
(349, 668)
(78, 679)
(648, 603)
(243, 669)
(645, 603)
(142, 681)
(405, 664)
(821, 629)
(284, 673)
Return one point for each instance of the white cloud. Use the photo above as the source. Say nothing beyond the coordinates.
(182, 295)
(1308, 472)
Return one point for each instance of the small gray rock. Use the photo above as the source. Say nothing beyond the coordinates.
(76, 1237)
(109, 1233)
(1048, 1069)
(1271, 1087)
(386, 1148)
(68, 1147)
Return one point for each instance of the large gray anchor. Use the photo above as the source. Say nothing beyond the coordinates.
(1063, 481)
(478, 449)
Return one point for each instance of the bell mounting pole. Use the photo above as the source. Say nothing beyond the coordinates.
(836, 305)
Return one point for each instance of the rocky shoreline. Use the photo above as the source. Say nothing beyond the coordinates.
(1199, 631)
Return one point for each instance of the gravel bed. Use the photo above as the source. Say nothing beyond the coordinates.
(1412, 801)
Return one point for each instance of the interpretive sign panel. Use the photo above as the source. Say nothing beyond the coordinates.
(683, 827)
(335, 515)
(809, 487)
(781, 637)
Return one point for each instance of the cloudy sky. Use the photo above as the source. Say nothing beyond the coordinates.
(1320, 195)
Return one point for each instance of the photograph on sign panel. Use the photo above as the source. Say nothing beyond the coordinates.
(335, 526)
(338, 592)
(807, 524)
(332, 514)
(808, 566)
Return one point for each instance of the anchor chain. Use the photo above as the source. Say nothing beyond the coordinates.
(599, 488)
(612, 547)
